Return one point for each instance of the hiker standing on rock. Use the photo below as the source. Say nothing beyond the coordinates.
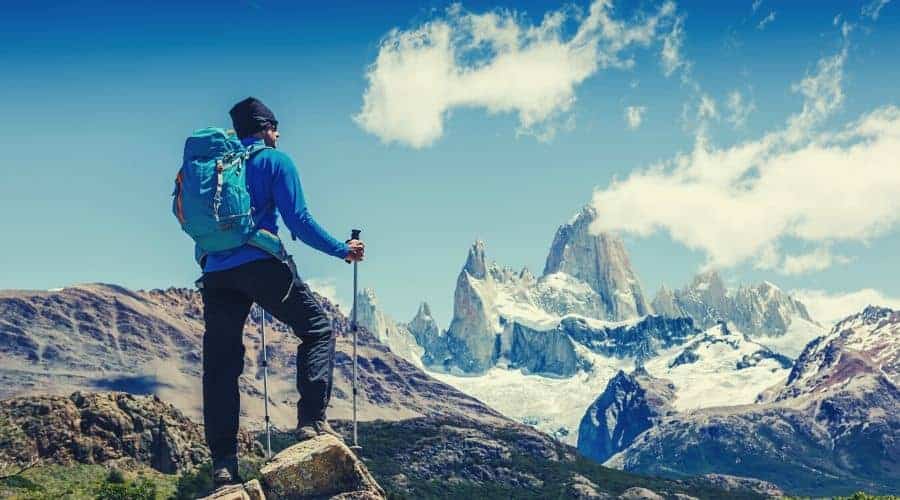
(259, 271)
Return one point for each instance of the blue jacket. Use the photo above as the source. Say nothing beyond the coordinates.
(273, 183)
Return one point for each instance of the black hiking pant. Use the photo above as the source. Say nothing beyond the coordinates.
(228, 296)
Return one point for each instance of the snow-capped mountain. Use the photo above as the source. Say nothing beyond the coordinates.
(716, 367)
(396, 336)
(763, 311)
(719, 367)
(600, 261)
(503, 316)
(873, 336)
(832, 425)
(586, 275)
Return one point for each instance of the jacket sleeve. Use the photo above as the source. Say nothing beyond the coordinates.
(291, 204)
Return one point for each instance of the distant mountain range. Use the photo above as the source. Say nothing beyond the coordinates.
(581, 341)
(832, 425)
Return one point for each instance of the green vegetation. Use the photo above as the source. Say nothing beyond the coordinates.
(199, 483)
(84, 481)
(859, 495)
(383, 442)
(389, 448)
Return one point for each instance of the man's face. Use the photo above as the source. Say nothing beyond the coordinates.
(270, 136)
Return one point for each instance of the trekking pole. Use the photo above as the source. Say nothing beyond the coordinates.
(265, 367)
(354, 235)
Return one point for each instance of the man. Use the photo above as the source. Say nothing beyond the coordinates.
(234, 279)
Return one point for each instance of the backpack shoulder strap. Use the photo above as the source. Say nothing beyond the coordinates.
(256, 148)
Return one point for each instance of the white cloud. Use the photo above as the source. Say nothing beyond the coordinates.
(327, 288)
(823, 94)
(817, 260)
(739, 109)
(756, 4)
(873, 9)
(698, 111)
(707, 108)
(670, 56)
(830, 307)
(766, 21)
(496, 61)
(737, 204)
(634, 115)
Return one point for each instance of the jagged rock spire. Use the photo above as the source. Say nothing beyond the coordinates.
(601, 261)
(475, 264)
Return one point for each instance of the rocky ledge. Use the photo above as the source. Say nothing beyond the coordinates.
(321, 468)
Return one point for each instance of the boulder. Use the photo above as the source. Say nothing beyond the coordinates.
(251, 490)
(582, 488)
(322, 467)
(638, 493)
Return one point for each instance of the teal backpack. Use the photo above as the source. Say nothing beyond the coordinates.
(211, 200)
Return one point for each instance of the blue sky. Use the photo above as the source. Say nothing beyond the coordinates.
(99, 99)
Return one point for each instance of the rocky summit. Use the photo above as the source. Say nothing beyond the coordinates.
(600, 260)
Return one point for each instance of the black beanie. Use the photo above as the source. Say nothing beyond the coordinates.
(250, 116)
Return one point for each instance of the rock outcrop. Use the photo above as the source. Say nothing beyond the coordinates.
(630, 404)
(322, 467)
(319, 468)
(105, 428)
(429, 336)
(251, 490)
(548, 353)
(636, 339)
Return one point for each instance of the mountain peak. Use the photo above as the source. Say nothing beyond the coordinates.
(475, 264)
(599, 260)
(585, 214)
(424, 310)
(708, 279)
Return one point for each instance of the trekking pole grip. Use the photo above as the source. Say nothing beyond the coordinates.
(354, 235)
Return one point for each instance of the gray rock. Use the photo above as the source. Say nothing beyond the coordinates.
(639, 340)
(582, 488)
(396, 336)
(601, 261)
(757, 310)
(551, 352)
(318, 467)
(638, 493)
(471, 342)
(664, 303)
(732, 483)
(250, 490)
(630, 404)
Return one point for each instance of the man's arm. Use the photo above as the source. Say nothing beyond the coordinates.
(291, 205)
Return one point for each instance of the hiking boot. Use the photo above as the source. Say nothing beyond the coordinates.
(309, 430)
(225, 471)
